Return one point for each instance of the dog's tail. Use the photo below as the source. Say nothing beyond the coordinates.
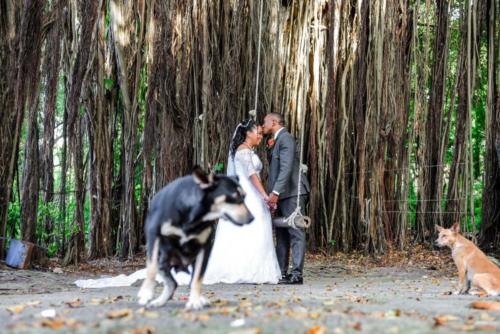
(486, 305)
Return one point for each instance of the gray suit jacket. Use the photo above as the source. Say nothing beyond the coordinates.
(284, 168)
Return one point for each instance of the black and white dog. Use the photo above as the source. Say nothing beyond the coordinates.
(179, 227)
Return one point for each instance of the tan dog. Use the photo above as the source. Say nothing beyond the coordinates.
(472, 264)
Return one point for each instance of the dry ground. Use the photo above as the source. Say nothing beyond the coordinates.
(398, 293)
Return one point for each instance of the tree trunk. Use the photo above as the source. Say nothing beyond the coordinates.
(51, 69)
(30, 183)
(489, 237)
(456, 199)
(85, 53)
(430, 206)
(20, 58)
(101, 161)
(128, 45)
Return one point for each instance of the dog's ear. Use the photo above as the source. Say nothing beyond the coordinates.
(455, 228)
(438, 228)
(201, 178)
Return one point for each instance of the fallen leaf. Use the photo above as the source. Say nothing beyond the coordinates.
(316, 330)
(148, 314)
(246, 331)
(33, 303)
(220, 302)
(314, 315)
(53, 323)
(143, 330)
(486, 305)
(487, 328)
(245, 303)
(222, 310)
(97, 301)
(74, 303)
(115, 299)
(118, 314)
(378, 314)
(356, 326)
(18, 326)
(203, 317)
(394, 313)
(73, 323)
(486, 317)
(16, 309)
(443, 319)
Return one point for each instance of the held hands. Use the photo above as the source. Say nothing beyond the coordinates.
(272, 202)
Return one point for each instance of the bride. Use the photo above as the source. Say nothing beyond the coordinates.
(245, 254)
(240, 254)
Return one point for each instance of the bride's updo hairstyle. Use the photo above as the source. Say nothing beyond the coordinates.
(240, 134)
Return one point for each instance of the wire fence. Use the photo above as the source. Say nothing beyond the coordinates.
(416, 167)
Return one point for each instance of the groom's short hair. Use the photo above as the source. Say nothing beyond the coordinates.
(279, 118)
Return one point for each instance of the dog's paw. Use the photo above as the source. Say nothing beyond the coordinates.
(145, 295)
(197, 303)
(158, 302)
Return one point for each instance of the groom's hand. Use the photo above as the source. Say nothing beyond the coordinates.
(273, 198)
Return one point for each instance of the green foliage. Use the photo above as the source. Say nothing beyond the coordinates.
(13, 218)
(108, 84)
(219, 167)
(51, 211)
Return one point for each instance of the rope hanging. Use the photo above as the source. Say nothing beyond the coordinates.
(253, 113)
(296, 218)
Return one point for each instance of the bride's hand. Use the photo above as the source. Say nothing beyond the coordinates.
(265, 197)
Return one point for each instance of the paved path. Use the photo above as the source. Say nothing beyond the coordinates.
(334, 299)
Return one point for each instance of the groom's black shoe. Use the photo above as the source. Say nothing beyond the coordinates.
(295, 279)
(285, 279)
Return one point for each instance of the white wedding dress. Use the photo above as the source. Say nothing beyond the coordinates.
(245, 254)
(240, 254)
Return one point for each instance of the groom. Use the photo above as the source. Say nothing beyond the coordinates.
(282, 186)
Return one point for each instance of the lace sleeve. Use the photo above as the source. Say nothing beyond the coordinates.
(244, 164)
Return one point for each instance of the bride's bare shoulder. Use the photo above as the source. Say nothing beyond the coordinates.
(242, 147)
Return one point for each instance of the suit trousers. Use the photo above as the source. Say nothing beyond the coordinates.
(291, 238)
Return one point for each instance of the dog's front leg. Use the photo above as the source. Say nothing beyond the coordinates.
(146, 292)
(196, 300)
(462, 279)
(169, 286)
(467, 285)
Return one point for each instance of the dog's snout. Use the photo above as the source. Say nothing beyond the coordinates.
(250, 216)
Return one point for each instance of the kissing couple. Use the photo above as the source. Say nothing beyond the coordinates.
(246, 254)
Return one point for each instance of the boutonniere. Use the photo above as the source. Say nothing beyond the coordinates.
(270, 142)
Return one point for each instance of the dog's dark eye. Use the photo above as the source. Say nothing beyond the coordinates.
(234, 198)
